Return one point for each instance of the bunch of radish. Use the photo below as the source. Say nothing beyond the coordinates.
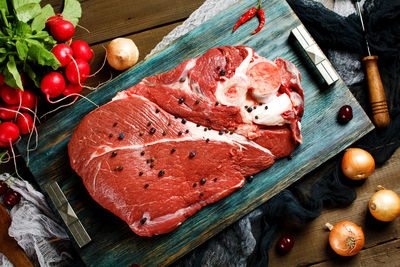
(15, 109)
(74, 58)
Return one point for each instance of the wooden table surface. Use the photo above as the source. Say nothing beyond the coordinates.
(147, 22)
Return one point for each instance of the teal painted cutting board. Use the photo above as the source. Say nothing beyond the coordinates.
(113, 243)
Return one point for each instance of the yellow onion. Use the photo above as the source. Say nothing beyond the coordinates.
(384, 205)
(357, 164)
(122, 53)
(346, 238)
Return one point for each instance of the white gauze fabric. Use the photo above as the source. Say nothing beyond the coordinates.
(35, 228)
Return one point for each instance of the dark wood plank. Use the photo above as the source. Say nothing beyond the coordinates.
(386, 254)
(312, 239)
(145, 41)
(323, 138)
(109, 19)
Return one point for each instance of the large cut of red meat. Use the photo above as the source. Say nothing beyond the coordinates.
(177, 141)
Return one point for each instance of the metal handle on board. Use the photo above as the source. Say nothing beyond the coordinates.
(67, 214)
(315, 54)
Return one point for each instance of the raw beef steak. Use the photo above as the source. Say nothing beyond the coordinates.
(175, 142)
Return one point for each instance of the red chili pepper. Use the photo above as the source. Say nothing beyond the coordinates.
(251, 13)
(248, 15)
(261, 17)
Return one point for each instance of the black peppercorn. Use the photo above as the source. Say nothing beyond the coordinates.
(152, 130)
(161, 173)
(181, 100)
(222, 72)
(192, 154)
(250, 178)
(121, 136)
(142, 153)
(184, 121)
(173, 150)
(143, 221)
(113, 154)
(203, 181)
(250, 109)
(157, 110)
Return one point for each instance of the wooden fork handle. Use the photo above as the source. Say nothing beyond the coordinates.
(380, 112)
(14, 253)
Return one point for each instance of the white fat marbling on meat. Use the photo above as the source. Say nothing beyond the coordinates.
(296, 99)
(294, 70)
(153, 222)
(272, 116)
(195, 134)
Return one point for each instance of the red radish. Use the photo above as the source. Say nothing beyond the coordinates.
(25, 123)
(72, 89)
(53, 84)
(77, 71)
(4, 144)
(11, 96)
(81, 50)
(63, 53)
(8, 132)
(29, 99)
(8, 112)
(50, 21)
(62, 30)
(1, 79)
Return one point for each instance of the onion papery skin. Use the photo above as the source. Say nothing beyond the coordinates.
(384, 205)
(346, 238)
(357, 164)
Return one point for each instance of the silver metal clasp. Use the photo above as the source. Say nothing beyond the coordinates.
(67, 214)
(315, 55)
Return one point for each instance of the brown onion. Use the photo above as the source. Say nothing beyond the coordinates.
(384, 205)
(357, 164)
(346, 238)
(122, 53)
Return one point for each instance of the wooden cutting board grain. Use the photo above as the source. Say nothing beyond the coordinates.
(113, 243)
